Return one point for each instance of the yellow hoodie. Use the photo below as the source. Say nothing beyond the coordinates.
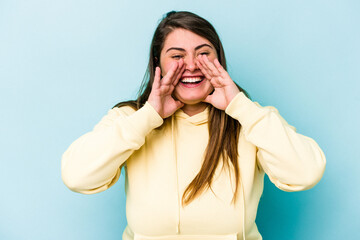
(161, 162)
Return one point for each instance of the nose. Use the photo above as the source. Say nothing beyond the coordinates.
(190, 63)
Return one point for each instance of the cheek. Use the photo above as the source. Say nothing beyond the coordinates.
(212, 57)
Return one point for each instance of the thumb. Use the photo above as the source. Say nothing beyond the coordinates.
(208, 99)
(179, 104)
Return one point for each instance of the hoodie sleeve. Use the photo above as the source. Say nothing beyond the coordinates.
(93, 162)
(292, 161)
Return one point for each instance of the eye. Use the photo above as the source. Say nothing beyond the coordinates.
(204, 53)
(176, 57)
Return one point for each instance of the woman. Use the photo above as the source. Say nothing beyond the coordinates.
(194, 147)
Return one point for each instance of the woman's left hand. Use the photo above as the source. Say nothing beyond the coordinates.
(224, 87)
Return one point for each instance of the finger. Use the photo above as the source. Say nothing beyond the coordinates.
(204, 65)
(178, 77)
(208, 99)
(203, 70)
(208, 75)
(156, 83)
(220, 67)
(211, 66)
(167, 78)
(179, 65)
(212, 70)
(176, 73)
(179, 104)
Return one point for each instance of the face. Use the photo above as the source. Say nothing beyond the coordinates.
(192, 88)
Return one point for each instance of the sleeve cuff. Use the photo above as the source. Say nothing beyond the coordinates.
(244, 110)
(145, 120)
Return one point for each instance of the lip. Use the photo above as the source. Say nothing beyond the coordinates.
(191, 85)
(185, 76)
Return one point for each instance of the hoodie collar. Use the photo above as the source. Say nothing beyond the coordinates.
(196, 119)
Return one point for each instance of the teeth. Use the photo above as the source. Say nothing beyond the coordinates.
(191, 79)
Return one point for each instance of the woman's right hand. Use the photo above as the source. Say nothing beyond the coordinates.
(160, 96)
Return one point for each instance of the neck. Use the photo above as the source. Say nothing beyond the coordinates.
(192, 109)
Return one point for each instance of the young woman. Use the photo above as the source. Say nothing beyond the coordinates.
(194, 147)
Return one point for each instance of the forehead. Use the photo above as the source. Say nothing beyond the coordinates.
(184, 39)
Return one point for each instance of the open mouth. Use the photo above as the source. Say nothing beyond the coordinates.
(191, 82)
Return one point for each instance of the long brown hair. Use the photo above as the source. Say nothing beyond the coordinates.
(223, 130)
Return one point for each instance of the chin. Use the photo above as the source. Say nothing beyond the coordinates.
(191, 96)
(191, 99)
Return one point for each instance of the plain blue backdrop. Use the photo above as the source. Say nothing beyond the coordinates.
(64, 64)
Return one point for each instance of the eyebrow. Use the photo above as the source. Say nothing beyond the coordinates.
(183, 50)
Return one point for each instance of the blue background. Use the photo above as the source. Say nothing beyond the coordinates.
(64, 64)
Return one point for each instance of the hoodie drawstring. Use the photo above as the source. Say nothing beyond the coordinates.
(173, 140)
(244, 213)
